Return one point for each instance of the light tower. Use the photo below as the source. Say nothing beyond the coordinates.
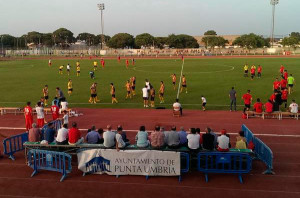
(101, 8)
(273, 3)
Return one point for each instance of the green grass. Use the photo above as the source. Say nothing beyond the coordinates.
(23, 81)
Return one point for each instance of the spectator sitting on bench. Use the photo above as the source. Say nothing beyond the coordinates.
(293, 107)
(223, 141)
(101, 140)
(109, 137)
(208, 140)
(141, 138)
(49, 133)
(63, 105)
(157, 138)
(62, 135)
(177, 106)
(120, 143)
(269, 107)
(182, 137)
(193, 140)
(123, 133)
(258, 106)
(93, 136)
(241, 142)
(172, 138)
(74, 135)
(34, 134)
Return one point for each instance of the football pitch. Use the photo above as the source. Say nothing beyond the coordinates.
(23, 80)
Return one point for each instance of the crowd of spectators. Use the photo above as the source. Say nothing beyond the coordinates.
(157, 139)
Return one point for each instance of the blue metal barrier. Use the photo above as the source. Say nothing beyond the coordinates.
(57, 124)
(14, 144)
(220, 162)
(184, 160)
(261, 150)
(49, 160)
(265, 154)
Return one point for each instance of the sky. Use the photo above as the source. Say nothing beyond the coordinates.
(157, 17)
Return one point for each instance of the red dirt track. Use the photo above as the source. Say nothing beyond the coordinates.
(15, 180)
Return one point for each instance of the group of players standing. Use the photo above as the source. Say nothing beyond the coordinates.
(130, 84)
(281, 90)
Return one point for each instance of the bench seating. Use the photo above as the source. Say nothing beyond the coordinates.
(253, 114)
(264, 115)
(290, 115)
(15, 110)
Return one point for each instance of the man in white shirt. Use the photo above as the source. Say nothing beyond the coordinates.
(68, 69)
(145, 96)
(223, 141)
(62, 135)
(294, 107)
(63, 106)
(120, 143)
(109, 137)
(193, 139)
(40, 115)
(177, 106)
(203, 102)
(65, 117)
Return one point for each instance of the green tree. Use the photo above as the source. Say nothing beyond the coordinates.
(182, 41)
(144, 39)
(121, 40)
(87, 37)
(210, 32)
(250, 41)
(63, 36)
(296, 35)
(98, 39)
(291, 41)
(160, 42)
(7, 40)
(34, 37)
(46, 39)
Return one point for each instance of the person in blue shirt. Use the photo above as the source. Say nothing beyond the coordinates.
(49, 133)
(93, 136)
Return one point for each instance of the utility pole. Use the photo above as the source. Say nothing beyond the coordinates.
(101, 8)
(273, 3)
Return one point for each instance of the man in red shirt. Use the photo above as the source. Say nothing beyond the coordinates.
(127, 63)
(259, 70)
(281, 69)
(252, 71)
(74, 135)
(28, 116)
(284, 97)
(102, 63)
(119, 58)
(273, 96)
(269, 107)
(283, 84)
(276, 84)
(258, 106)
(247, 100)
(55, 111)
(285, 74)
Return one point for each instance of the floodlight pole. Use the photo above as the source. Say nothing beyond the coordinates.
(2, 43)
(101, 8)
(273, 3)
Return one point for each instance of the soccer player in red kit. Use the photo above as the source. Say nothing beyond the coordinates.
(49, 62)
(258, 106)
(273, 96)
(247, 100)
(133, 61)
(127, 63)
(281, 69)
(102, 63)
(259, 70)
(283, 83)
(284, 97)
(252, 71)
(28, 116)
(276, 84)
(182, 58)
(285, 74)
(119, 58)
(55, 111)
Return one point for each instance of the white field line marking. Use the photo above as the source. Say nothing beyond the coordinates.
(180, 78)
(130, 130)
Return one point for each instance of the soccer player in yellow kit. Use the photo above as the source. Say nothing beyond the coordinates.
(173, 76)
(95, 65)
(60, 70)
(161, 92)
(183, 84)
(113, 93)
(78, 70)
(70, 87)
(128, 89)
